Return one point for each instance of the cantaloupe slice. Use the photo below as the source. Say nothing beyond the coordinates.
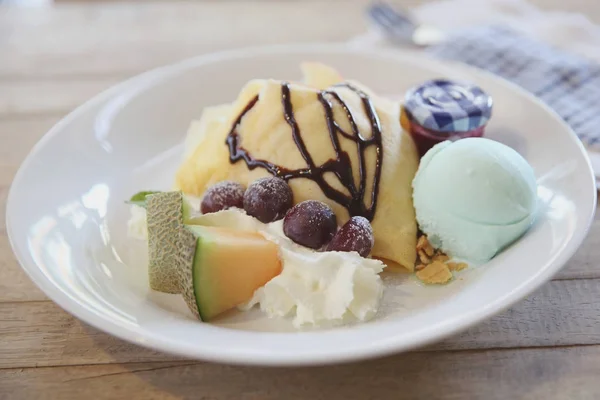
(166, 214)
(221, 268)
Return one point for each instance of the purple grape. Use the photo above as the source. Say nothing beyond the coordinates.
(268, 199)
(310, 223)
(354, 235)
(222, 196)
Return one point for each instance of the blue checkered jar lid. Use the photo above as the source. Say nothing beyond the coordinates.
(446, 106)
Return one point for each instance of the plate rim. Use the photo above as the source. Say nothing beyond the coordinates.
(371, 350)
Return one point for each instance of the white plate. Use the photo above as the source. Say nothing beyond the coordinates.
(66, 216)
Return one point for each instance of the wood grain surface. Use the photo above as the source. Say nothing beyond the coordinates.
(54, 58)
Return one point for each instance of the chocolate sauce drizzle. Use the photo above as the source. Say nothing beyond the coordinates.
(341, 166)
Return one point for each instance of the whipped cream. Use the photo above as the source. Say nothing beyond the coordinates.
(136, 226)
(314, 288)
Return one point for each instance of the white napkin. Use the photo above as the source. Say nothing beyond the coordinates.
(559, 44)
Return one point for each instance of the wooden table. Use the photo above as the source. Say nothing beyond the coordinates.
(52, 59)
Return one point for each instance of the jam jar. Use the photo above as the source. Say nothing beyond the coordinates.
(441, 109)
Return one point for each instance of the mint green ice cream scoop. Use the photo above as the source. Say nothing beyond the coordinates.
(474, 197)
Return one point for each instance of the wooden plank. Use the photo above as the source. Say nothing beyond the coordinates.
(54, 59)
(561, 313)
(36, 334)
(118, 39)
(549, 373)
(44, 97)
(16, 139)
(586, 261)
(113, 38)
(19, 135)
(15, 285)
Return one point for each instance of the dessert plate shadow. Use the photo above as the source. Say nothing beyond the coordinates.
(66, 216)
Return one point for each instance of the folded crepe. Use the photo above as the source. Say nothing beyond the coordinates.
(264, 133)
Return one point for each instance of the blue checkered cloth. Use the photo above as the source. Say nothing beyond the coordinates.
(568, 83)
(446, 106)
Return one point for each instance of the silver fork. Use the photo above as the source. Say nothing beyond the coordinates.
(399, 27)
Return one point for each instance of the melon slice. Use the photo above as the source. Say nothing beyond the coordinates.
(167, 212)
(221, 268)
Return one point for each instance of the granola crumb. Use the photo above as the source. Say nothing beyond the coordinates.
(423, 257)
(430, 251)
(424, 246)
(436, 273)
(429, 256)
(457, 266)
(422, 242)
(441, 257)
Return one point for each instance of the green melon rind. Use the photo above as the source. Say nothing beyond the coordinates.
(201, 286)
(166, 214)
(186, 259)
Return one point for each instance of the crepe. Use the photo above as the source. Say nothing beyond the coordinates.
(264, 133)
